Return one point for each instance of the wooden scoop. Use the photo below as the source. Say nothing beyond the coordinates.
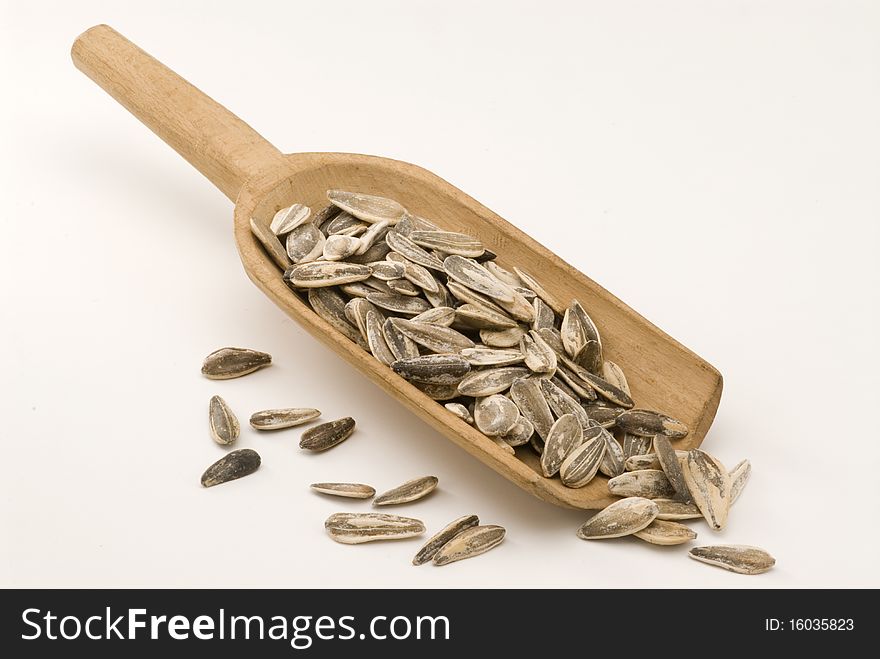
(663, 374)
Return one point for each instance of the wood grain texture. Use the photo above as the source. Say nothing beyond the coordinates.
(663, 374)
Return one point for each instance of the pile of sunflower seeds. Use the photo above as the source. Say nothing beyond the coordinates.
(501, 352)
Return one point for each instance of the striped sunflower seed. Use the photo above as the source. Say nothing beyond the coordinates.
(613, 463)
(434, 337)
(327, 435)
(635, 445)
(739, 476)
(330, 305)
(357, 528)
(495, 415)
(400, 345)
(288, 219)
(647, 423)
(621, 518)
(433, 369)
(561, 403)
(448, 242)
(539, 356)
(644, 461)
(604, 415)
(224, 425)
(376, 338)
(406, 287)
(283, 418)
(476, 277)
(520, 308)
(613, 374)
(228, 363)
(742, 559)
(581, 465)
(408, 249)
(506, 338)
(490, 381)
(305, 243)
(532, 405)
(325, 215)
(647, 483)
(520, 433)
(502, 275)
(387, 270)
(342, 224)
(482, 318)
(576, 384)
(412, 490)
(443, 316)
(666, 456)
(231, 466)
(471, 542)
(369, 208)
(430, 548)
(605, 389)
(417, 274)
(666, 533)
(709, 486)
(396, 303)
(326, 273)
(347, 490)
(565, 435)
(544, 318)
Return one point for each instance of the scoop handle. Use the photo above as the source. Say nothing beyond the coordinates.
(212, 139)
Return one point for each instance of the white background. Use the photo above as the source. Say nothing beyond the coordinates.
(714, 164)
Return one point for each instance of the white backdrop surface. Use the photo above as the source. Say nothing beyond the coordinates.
(714, 164)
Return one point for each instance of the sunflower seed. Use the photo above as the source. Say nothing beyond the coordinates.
(430, 548)
(325, 215)
(647, 483)
(326, 273)
(736, 558)
(396, 303)
(407, 248)
(417, 274)
(530, 282)
(434, 337)
(437, 391)
(564, 436)
(460, 411)
(573, 332)
(561, 403)
(305, 243)
(621, 518)
(480, 317)
(412, 490)
(520, 308)
(356, 312)
(338, 247)
(224, 426)
(543, 316)
(612, 464)
(330, 306)
(387, 270)
(605, 389)
(644, 461)
(369, 208)
(401, 346)
(340, 224)
(227, 363)
(668, 460)
(441, 297)
(495, 415)
(231, 466)
(581, 388)
(647, 424)
(348, 490)
(665, 533)
(476, 277)
(506, 338)
(433, 369)
(613, 374)
(581, 465)
(283, 418)
(471, 542)
(564, 387)
(467, 296)
(538, 355)
(271, 244)
(532, 405)
(327, 435)
(635, 445)
(677, 510)
(520, 433)
(288, 219)
(502, 275)
(490, 381)
(443, 316)
(449, 242)
(709, 486)
(591, 359)
(406, 287)
(356, 528)
(739, 476)
(376, 339)
(491, 357)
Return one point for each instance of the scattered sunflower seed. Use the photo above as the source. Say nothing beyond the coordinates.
(231, 466)
(357, 528)
(412, 490)
(228, 363)
(621, 518)
(739, 476)
(327, 435)
(666, 533)
(471, 542)
(283, 418)
(437, 541)
(224, 425)
(348, 490)
(736, 558)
